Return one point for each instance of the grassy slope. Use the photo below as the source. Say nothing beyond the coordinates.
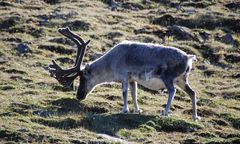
(35, 108)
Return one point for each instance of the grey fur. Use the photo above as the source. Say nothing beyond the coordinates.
(153, 66)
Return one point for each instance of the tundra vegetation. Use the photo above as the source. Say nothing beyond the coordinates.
(35, 108)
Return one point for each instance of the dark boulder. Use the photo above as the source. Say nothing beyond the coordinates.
(181, 33)
(23, 48)
(227, 39)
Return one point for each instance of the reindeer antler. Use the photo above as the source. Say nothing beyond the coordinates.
(67, 76)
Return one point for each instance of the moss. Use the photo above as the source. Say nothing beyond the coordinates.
(146, 128)
(9, 135)
(235, 121)
(171, 124)
(7, 87)
(234, 140)
(66, 123)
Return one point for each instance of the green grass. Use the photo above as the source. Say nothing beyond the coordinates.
(34, 108)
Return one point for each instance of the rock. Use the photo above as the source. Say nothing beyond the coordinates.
(165, 20)
(204, 35)
(181, 33)
(23, 48)
(10, 22)
(227, 39)
(43, 113)
(232, 57)
(2, 60)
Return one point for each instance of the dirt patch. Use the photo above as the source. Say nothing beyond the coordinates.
(220, 122)
(52, 2)
(6, 4)
(203, 112)
(14, 39)
(7, 87)
(173, 107)
(112, 97)
(61, 88)
(190, 141)
(21, 78)
(62, 41)
(198, 4)
(232, 57)
(112, 35)
(235, 121)
(66, 123)
(206, 102)
(65, 60)
(57, 49)
(14, 71)
(151, 30)
(78, 25)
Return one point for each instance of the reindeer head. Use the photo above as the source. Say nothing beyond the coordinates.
(66, 76)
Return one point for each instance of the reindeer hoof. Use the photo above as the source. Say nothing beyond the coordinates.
(163, 113)
(138, 111)
(125, 111)
(196, 118)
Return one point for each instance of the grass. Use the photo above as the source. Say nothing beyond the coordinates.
(34, 108)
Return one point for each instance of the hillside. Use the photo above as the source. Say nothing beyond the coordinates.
(35, 108)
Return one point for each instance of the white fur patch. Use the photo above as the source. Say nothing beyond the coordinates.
(151, 83)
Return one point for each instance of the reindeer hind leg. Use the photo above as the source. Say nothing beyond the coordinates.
(184, 85)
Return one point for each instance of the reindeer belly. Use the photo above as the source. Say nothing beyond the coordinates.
(151, 83)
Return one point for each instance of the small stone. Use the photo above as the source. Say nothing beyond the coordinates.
(43, 113)
(228, 39)
(2, 60)
(23, 48)
(204, 35)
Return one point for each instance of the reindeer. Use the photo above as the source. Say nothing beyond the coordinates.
(153, 66)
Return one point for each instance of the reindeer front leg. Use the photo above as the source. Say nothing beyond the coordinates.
(125, 93)
(133, 88)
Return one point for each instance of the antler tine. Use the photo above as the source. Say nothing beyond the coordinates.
(65, 32)
(68, 33)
